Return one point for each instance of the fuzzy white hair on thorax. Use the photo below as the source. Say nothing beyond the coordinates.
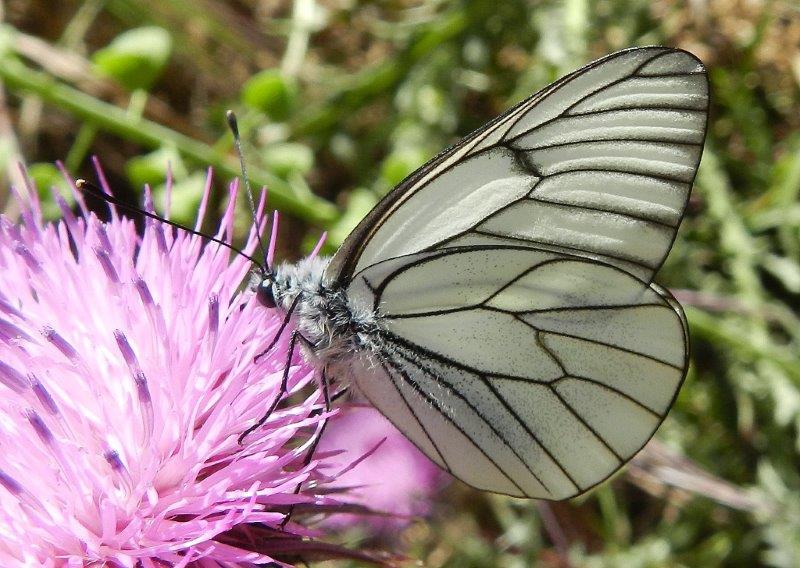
(335, 327)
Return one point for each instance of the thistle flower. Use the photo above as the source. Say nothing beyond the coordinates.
(127, 374)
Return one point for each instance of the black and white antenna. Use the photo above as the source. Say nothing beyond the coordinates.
(233, 124)
(91, 189)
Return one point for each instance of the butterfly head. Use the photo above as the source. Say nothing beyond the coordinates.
(265, 290)
(283, 285)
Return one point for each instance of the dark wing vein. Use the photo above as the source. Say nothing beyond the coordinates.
(608, 142)
(609, 388)
(589, 427)
(540, 342)
(445, 385)
(424, 352)
(586, 307)
(598, 342)
(579, 253)
(601, 210)
(637, 108)
(402, 373)
(435, 404)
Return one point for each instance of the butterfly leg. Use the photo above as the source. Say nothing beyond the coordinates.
(281, 391)
(339, 393)
(325, 387)
(286, 319)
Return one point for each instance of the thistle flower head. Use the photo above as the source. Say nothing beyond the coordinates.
(127, 374)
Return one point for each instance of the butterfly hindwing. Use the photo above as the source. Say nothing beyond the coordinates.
(549, 369)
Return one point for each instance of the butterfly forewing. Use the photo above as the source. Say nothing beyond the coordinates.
(598, 164)
(522, 345)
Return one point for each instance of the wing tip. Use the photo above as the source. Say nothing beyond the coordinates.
(699, 66)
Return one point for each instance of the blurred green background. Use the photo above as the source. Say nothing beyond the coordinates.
(338, 100)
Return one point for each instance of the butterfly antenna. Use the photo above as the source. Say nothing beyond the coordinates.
(95, 191)
(233, 124)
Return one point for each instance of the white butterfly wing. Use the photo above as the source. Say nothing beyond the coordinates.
(599, 164)
(521, 371)
(522, 344)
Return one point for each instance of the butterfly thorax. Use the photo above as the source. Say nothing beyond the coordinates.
(332, 326)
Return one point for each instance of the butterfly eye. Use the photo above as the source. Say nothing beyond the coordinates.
(265, 295)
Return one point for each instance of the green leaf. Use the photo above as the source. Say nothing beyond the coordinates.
(135, 58)
(287, 158)
(152, 168)
(784, 269)
(271, 93)
(401, 162)
(360, 202)
(7, 39)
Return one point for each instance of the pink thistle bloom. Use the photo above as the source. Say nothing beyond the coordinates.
(394, 479)
(127, 374)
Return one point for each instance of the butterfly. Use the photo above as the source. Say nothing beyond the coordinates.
(498, 306)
